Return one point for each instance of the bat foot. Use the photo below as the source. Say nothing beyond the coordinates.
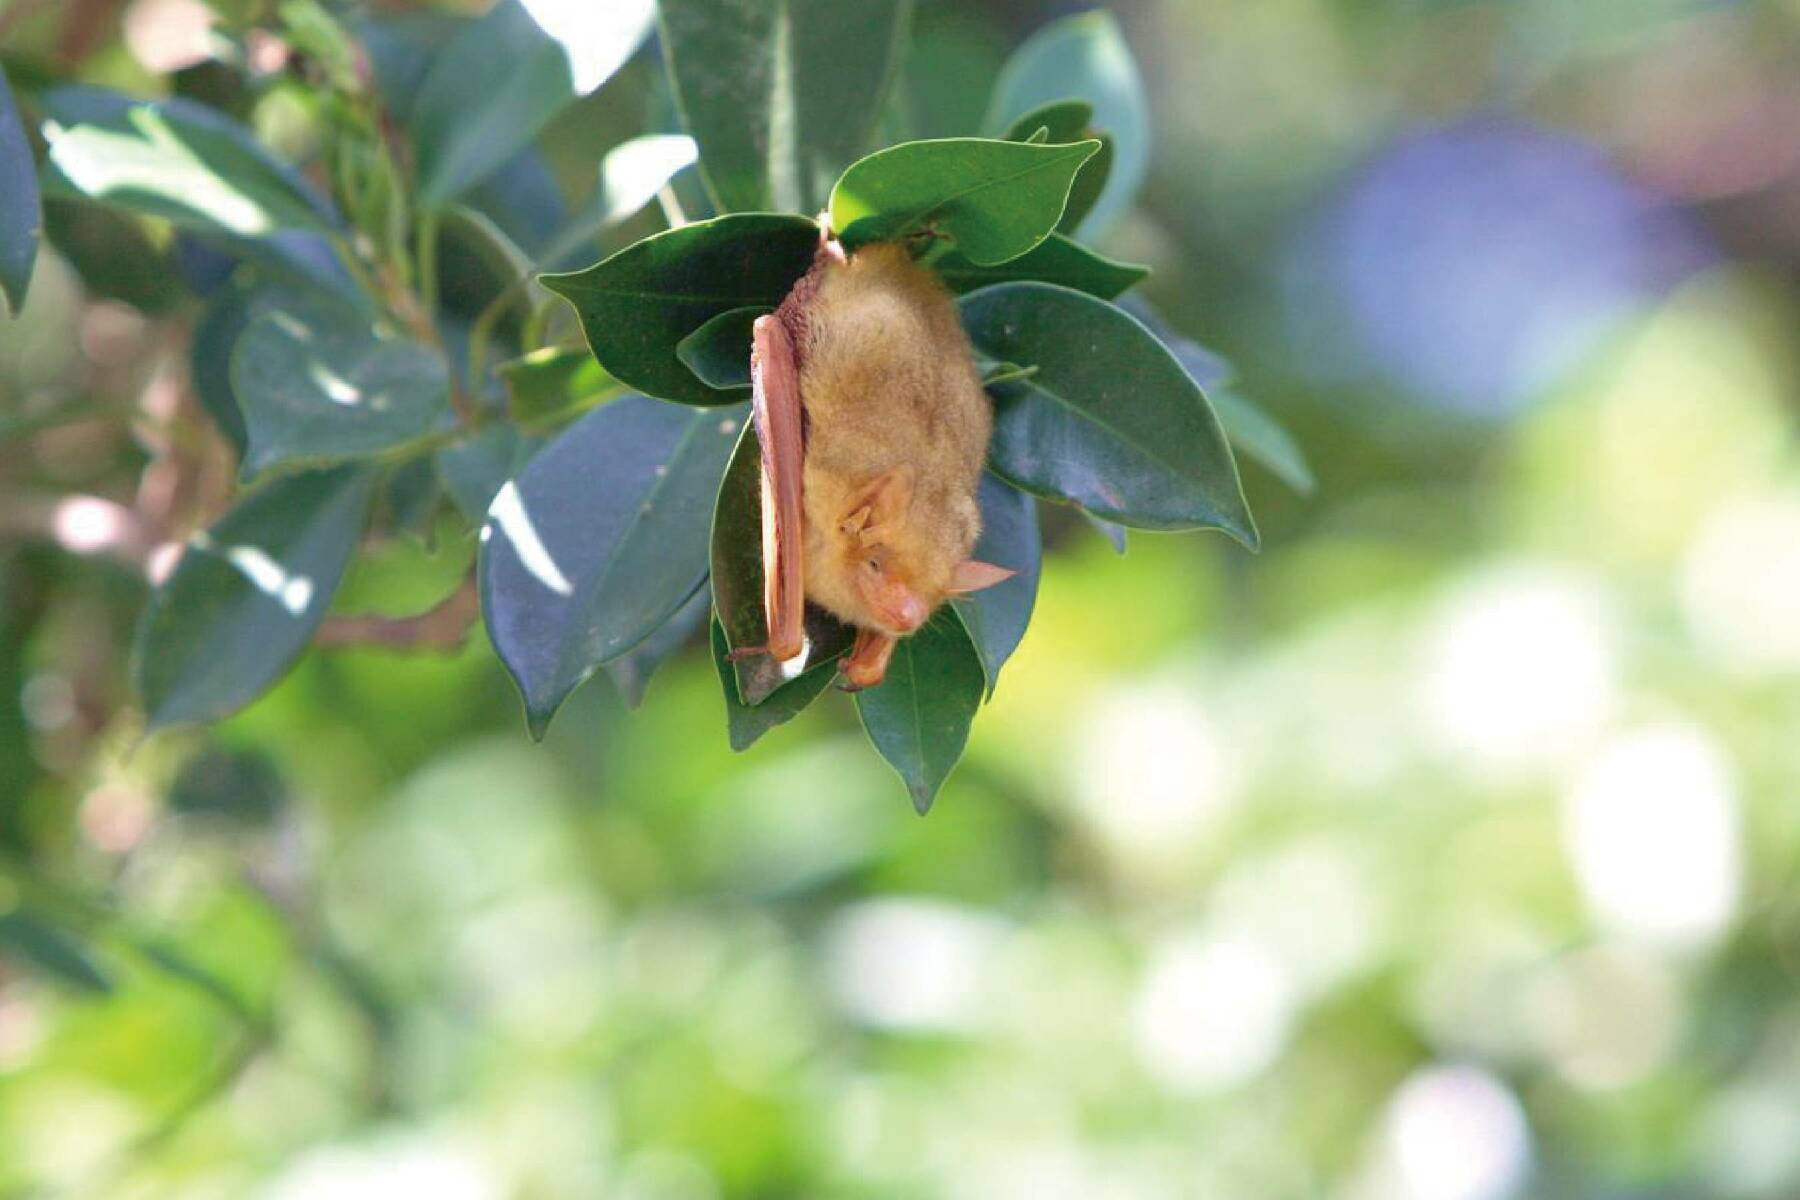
(774, 652)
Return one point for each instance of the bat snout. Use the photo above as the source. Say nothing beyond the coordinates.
(904, 611)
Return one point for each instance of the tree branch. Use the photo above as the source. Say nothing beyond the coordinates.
(444, 626)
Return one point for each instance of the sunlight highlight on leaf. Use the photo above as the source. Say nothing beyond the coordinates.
(508, 512)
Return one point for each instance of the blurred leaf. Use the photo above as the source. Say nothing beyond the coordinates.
(498, 82)
(919, 717)
(737, 581)
(113, 255)
(409, 499)
(401, 47)
(719, 351)
(599, 540)
(241, 786)
(950, 59)
(21, 215)
(995, 199)
(1063, 121)
(1252, 430)
(177, 160)
(780, 96)
(1255, 433)
(477, 234)
(1114, 533)
(1056, 259)
(631, 175)
(631, 672)
(317, 384)
(475, 468)
(1084, 57)
(524, 201)
(637, 305)
(996, 617)
(246, 596)
(553, 384)
(34, 942)
(209, 361)
(744, 723)
(1110, 421)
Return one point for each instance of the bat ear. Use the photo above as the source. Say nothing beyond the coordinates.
(887, 496)
(971, 575)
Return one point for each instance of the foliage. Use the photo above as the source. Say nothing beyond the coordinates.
(397, 317)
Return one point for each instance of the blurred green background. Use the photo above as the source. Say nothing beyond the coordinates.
(1443, 851)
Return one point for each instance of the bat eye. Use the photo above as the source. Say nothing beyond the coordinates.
(874, 565)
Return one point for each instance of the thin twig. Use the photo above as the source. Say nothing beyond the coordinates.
(444, 626)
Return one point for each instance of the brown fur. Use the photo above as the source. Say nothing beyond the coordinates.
(897, 428)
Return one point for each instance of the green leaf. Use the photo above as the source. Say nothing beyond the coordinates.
(1056, 259)
(21, 215)
(1061, 120)
(177, 160)
(919, 717)
(554, 384)
(1083, 57)
(779, 96)
(737, 581)
(1114, 533)
(318, 384)
(1252, 431)
(247, 595)
(1110, 421)
(599, 541)
(477, 467)
(638, 305)
(995, 199)
(501, 78)
(631, 672)
(744, 723)
(29, 939)
(719, 351)
(996, 617)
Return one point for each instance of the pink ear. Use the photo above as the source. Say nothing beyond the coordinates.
(971, 576)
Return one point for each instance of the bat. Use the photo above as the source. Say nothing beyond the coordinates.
(873, 427)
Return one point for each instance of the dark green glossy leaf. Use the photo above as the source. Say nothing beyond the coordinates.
(247, 595)
(477, 467)
(1084, 57)
(114, 255)
(779, 96)
(599, 541)
(1089, 186)
(317, 383)
(33, 941)
(1110, 421)
(554, 384)
(631, 672)
(21, 215)
(919, 717)
(994, 199)
(499, 81)
(996, 617)
(719, 351)
(174, 159)
(638, 305)
(737, 580)
(744, 723)
(1057, 259)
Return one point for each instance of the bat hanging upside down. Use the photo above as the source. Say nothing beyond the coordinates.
(874, 427)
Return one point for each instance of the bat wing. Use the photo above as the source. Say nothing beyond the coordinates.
(775, 377)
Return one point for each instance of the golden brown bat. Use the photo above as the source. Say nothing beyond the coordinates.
(874, 426)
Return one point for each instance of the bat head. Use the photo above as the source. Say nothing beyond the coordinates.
(898, 560)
